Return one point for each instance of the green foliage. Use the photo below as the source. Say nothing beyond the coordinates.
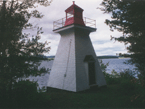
(130, 21)
(112, 78)
(25, 92)
(25, 95)
(128, 82)
(19, 52)
(106, 57)
(129, 85)
(125, 79)
(109, 97)
(103, 66)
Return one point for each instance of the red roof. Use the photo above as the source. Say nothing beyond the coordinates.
(73, 7)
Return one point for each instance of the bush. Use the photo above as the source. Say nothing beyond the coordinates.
(126, 79)
(128, 83)
(112, 78)
(103, 66)
(25, 95)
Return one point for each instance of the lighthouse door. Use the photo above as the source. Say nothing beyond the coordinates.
(91, 68)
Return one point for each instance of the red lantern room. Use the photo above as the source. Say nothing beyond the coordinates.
(74, 15)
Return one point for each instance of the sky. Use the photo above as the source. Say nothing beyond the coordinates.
(100, 39)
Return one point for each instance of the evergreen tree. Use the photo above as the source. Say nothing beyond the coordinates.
(18, 52)
(128, 17)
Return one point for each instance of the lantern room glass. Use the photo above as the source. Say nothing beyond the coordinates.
(70, 14)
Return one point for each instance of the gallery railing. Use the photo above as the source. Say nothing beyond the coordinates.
(61, 22)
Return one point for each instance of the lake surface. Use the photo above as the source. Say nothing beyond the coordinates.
(116, 64)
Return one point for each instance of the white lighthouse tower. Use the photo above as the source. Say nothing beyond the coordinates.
(75, 67)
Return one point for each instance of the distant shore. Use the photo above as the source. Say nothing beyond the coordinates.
(99, 57)
(111, 57)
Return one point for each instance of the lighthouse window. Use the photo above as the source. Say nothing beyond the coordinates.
(70, 14)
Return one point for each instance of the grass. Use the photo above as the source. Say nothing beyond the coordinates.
(109, 97)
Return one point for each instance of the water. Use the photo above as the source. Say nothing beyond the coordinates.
(42, 80)
(116, 64)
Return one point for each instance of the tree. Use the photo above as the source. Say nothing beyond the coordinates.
(18, 51)
(128, 17)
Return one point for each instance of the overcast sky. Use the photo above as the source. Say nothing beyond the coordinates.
(100, 38)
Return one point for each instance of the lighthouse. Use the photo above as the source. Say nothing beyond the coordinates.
(75, 67)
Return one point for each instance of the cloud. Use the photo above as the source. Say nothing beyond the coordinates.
(100, 39)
